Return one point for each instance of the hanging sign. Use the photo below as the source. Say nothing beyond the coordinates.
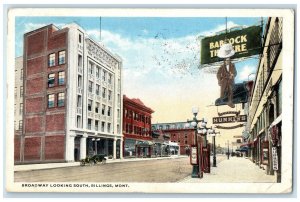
(275, 158)
(230, 119)
(246, 42)
(230, 127)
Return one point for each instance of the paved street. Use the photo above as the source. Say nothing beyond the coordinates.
(151, 170)
(236, 169)
(163, 170)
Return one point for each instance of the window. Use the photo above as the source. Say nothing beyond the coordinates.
(90, 86)
(185, 142)
(91, 68)
(103, 75)
(78, 121)
(108, 127)
(118, 113)
(118, 128)
(50, 100)
(51, 80)
(21, 108)
(109, 78)
(51, 60)
(97, 89)
(98, 72)
(119, 99)
(96, 125)
(78, 100)
(119, 84)
(79, 60)
(102, 126)
(62, 57)
(79, 82)
(21, 91)
(103, 109)
(90, 124)
(108, 111)
(79, 38)
(90, 105)
(61, 78)
(61, 99)
(16, 94)
(103, 92)
(20, 125)
(21, 74)
(97, 107)
(109, 94)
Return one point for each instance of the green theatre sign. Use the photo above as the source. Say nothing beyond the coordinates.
(246, 42)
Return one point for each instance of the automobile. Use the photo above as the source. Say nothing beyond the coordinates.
(98, 158)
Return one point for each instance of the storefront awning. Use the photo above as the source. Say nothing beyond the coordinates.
(276, 121)
(144, 143)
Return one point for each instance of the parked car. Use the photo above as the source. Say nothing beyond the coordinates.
(98, 158)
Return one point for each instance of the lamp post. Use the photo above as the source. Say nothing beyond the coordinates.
(196, 173)
(227, 149)
(213, 134)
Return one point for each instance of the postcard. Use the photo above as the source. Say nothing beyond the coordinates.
(150, 100)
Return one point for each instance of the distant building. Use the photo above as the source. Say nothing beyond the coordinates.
(137, 128)
(18, 105)
(72, 97)
(265, 104)
(179, 133)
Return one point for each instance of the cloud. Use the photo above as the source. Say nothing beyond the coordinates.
(246, 72)
(220, 28)
(32, 26)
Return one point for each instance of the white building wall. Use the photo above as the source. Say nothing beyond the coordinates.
(101, 57)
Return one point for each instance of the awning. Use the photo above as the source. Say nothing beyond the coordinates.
(242, 149)
(276, 121)
(144, 143)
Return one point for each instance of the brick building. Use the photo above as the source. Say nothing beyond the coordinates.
(178, 132)
(72, 97)
(137, 128)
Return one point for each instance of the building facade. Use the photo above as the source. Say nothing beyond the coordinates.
(18, 106)
(137, 128)
(72, 97)
(265, 105)
(179, 133)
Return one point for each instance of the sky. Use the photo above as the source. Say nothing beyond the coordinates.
(161, 58)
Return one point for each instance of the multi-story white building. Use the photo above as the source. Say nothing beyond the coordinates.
(72, 90)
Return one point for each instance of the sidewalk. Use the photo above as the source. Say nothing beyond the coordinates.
(42, 166)
(235, 169)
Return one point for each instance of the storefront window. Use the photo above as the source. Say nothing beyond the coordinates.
(129, 150)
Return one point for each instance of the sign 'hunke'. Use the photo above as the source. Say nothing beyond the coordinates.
(246, 42)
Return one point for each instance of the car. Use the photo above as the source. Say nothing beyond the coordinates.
(98, 158)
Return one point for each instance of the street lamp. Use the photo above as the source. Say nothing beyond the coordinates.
(196, 173)
(213, 134)
(227, 149)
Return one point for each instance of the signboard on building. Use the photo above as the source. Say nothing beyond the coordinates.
(274, 158)
(194, 156)
(246, 42)
(230, 119)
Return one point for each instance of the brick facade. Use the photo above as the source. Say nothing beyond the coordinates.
(178, 133)
(39, 143)
(136, 121)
